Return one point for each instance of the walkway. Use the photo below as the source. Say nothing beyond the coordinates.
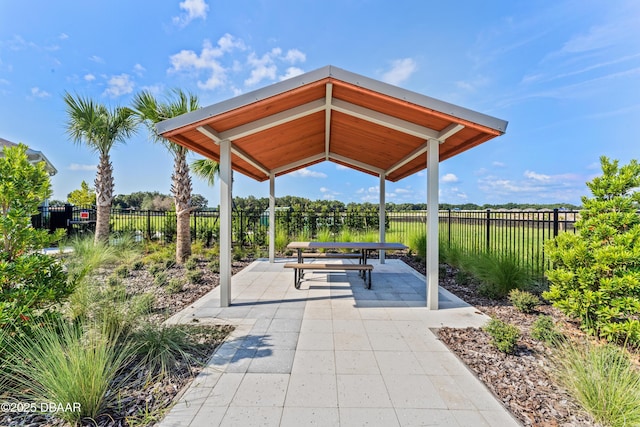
(334, 354)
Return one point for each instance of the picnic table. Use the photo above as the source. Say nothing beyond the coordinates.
(363, 251)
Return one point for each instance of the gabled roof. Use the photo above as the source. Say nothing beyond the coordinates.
(33, 156)
(331, 114)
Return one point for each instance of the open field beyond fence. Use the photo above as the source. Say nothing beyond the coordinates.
(522, 233)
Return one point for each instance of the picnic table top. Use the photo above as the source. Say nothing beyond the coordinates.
(348, 245)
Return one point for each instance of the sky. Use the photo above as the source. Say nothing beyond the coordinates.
(565, 74)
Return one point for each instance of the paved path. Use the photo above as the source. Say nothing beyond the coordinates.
(334, 354)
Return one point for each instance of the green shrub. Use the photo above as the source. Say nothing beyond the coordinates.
(195, 276)
(238, 253)
(499, 273)
(603, 379)
(596, 272)
(418, 244)
(214, 265)
(174, 286)
(281, 241)
(154, 269)
(161, 278)
(160, 346)
(191, 264)
(503, 335)
(137, 265)
(464, 277)
(544, 329)
(31, 287)
(114, 280)
(141, 304)
(524, 301)
(63, 364)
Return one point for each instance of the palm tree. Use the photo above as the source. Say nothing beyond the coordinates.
(206, 169)
(100, 128)
(150, 111)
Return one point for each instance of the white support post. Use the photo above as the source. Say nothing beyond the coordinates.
(382, 217)
(225, 223)
(272, 217)
(433, 159)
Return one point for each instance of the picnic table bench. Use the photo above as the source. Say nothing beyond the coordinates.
(363, 247)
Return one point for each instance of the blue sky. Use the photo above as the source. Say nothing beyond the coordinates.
(565, 74)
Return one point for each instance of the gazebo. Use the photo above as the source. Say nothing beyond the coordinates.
(330, 115)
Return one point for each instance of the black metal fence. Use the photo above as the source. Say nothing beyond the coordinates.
(522, 233)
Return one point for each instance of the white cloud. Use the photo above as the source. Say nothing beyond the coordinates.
(448, 178)
(401, 70)
(96, 59)
(80, 167)
(119, 85)
(207, 61)
(308, 173)
(63, 36)
(342, 167)
(291, 72)
(324, 189)
(263, 67)
(139, 69)
(498, 164)
(36, 92)
(537, 176)
(89, 77)
(294, 55)
(193, 9)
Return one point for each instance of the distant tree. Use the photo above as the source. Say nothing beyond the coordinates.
(99, 128)
(198, 201)
(56, 203)
(150, 111)
(84, 196)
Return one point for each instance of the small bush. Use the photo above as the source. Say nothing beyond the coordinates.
(464, 277)
(141, 304)
(155, 269)
(63, 364)
(169, 263)
(499, 274)
(137, 264)
(544, 329)
(503, 335)
(191, 264)
(418, 244)
(524, 301)
(214, 265)
(604, 380)
(195, 276)
(174, 286)
(238, 253)
(160, 347)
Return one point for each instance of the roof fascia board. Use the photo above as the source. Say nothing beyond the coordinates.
(242, 100)
(384, 119)
(419, 99)
(339, 74)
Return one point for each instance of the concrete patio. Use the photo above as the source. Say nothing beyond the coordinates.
(334, 354)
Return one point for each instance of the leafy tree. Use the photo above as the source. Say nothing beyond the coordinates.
(199, 202)
(23, 187)
(596, 273)
(207, 169)
(150, 111)
(84, 196)
(99, 128)
(30, 282)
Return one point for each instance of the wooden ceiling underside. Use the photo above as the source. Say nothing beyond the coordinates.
(335, 120)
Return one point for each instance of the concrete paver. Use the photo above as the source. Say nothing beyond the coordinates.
(334, 354)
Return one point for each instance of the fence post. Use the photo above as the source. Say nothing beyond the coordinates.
(449, 228)
(195, 226)
(149, 224)
(556, 217)
(488, 229)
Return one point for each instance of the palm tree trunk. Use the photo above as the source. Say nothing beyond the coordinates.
(104, 197)
(181, 189)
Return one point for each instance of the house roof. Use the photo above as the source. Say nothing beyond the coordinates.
(33, 156)
(335, 115)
